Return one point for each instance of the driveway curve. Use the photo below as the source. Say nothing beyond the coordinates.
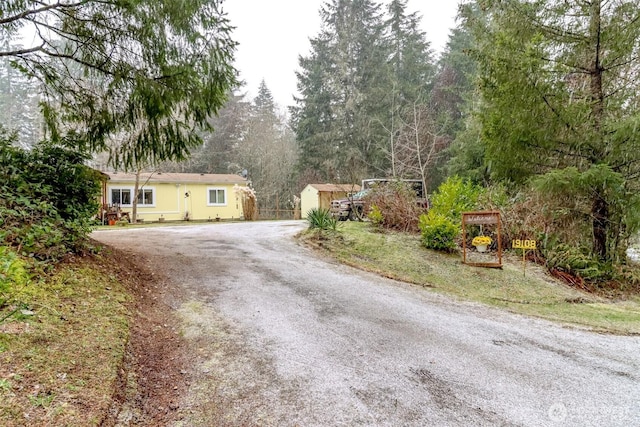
(280, 336)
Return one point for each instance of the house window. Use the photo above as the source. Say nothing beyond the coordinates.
(121, 196)
(217, 197)
(146, 197)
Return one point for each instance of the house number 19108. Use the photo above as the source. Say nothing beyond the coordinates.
(523, 244)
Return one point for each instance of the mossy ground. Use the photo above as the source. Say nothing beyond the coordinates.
(530, 291)
(61, 352)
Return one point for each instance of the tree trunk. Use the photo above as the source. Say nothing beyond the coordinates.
(597, 93)
(134, 201)
(599, 206)
(600, 212)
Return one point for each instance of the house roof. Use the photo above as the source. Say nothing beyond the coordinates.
(335, 188)
(174, 178)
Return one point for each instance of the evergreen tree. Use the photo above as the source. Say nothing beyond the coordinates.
(341, 86)
(313, 116)
(454, 81)
(411, 60)
(364, 73)
(144, 73)
(268, 152)
(19, 97)
(217, 154)
(263, 104)
(411, 71)
(559, 82)
(454, 96)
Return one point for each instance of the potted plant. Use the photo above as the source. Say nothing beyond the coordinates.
(481, 243)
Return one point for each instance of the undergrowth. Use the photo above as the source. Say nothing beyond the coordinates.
(395, 206)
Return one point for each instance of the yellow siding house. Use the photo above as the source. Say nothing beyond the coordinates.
(177, 196)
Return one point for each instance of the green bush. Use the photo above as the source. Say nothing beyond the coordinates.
(438, 231)
(321, 219)
(441, 226)
(455, 196)
(375, 216)
(49, 199)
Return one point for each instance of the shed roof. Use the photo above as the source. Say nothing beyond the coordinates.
(335, 188)
(173, 178)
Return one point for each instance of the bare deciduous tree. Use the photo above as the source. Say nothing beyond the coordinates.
(419, 144)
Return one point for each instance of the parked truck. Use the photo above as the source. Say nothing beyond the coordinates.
(354, 207)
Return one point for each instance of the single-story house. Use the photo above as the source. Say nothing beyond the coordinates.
(319, 196)
(176, 196)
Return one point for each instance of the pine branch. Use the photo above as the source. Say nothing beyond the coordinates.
(21, 52)
(45, 8)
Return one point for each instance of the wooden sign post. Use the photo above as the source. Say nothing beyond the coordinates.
(525, 245)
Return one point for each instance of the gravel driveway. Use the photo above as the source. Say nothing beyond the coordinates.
(280, 336)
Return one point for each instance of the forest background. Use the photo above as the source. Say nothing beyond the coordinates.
(531, 109)
(538, 97)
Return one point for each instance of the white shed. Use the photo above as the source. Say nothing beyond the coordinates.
(320, 195)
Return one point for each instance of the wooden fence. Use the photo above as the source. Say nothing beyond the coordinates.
(277, 214)
(272, 208)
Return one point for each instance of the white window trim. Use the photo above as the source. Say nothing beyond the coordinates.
(226, 197)
(153, 197)
(119, 187)
(141, 205)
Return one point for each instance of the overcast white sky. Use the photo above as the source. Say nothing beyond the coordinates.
(273, 33)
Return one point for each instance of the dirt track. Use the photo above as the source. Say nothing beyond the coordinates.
(275, 336)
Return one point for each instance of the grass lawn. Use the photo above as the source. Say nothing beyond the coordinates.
(61, 352)
(530, 292)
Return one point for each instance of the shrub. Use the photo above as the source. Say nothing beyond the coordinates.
(49, 199)
(521, 215)
(375, 216)
(249, 201)
(438, 232)
(12, 269)
(495, 197)
(321, 219)
(455, 196)
(397, 206)
(628, 278)
(573, 191)
(441, 226)
(578, 263)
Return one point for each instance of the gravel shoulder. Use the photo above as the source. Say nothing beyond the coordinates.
(267, 333)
